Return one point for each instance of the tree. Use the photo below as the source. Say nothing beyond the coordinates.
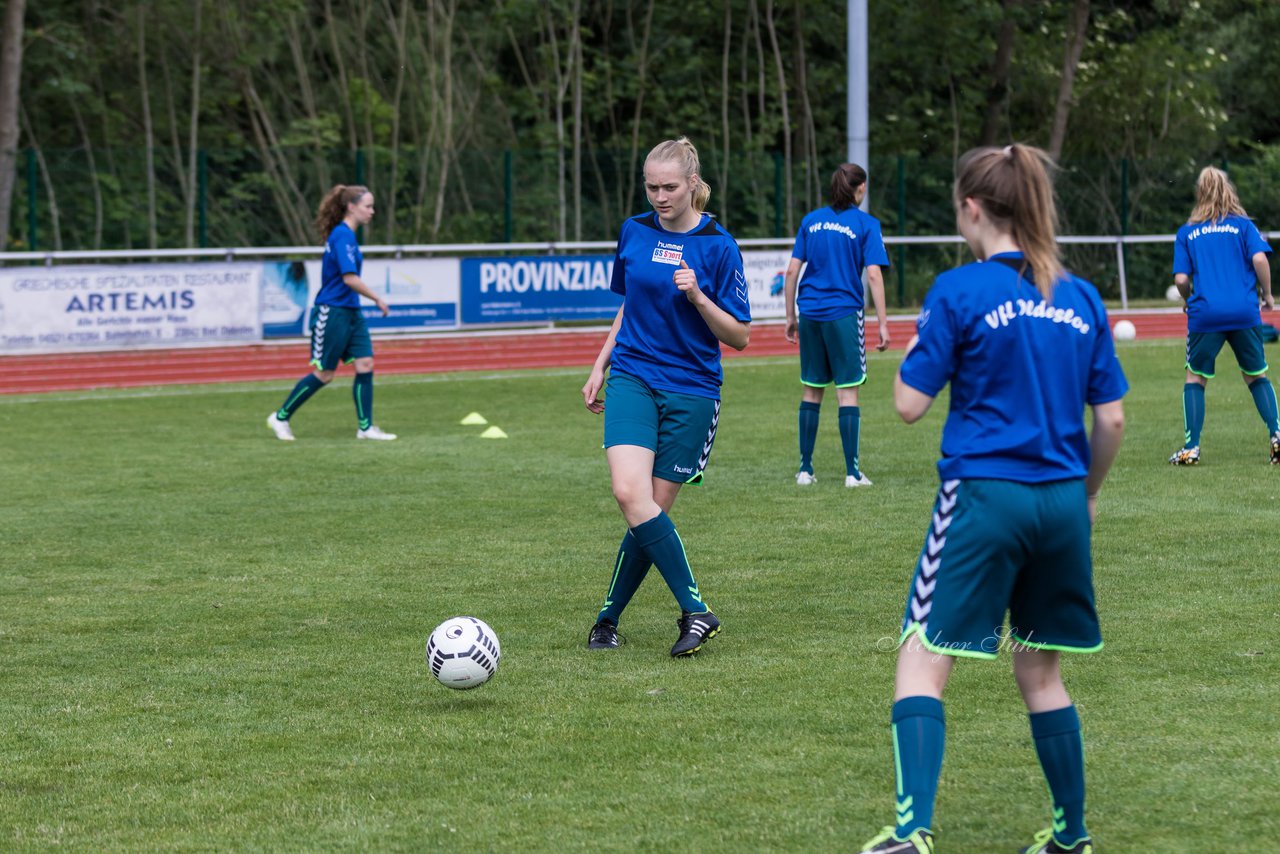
(10, 99)
(1077, 28)
(999, 88)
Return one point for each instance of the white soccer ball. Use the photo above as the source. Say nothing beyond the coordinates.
(463, 652)
(1124, 330)
(1172, 295)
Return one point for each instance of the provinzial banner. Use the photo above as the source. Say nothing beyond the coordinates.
(61, 309)
(538, 289)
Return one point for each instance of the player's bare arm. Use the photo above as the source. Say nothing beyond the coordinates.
(790, 285)
(357, 284)
(595, 381)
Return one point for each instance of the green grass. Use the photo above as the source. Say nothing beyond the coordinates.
(210, 639)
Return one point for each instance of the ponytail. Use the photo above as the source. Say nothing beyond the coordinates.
(845, 183)
(1014, 186)
(682, 151)
(333, 207)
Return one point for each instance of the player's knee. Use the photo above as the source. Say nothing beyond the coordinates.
(325, 377)
(627, 496)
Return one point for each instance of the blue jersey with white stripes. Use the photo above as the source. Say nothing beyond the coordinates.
(1021, 371)
(663, 340)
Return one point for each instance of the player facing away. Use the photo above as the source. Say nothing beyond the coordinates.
(684, 293)
(338, 329)
(837, 243)
(1025, 346)
(1219, 265)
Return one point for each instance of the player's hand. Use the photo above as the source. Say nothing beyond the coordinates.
(884, 336)
(1269, 302)
(687, 281)
(382, 306)
(591, 392)
(1093, 509)
(790, 330)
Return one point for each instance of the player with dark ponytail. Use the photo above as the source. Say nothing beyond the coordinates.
(834, 245)
(1025, 347)
(339, 333)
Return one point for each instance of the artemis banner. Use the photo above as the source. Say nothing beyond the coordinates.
(60, 309)
(64, 309)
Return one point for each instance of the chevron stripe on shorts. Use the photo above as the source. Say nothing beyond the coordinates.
(862, 343)
(705, 456)
(926, 579)
(317, 333)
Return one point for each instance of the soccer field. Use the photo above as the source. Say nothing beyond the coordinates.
(210, 639)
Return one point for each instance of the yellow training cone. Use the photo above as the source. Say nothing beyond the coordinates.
(474, 418)
(493, 433)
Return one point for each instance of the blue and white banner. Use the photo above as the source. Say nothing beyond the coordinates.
(421, 293)
(61, 309)
(766, 271)
(537, 289)
(100, 307)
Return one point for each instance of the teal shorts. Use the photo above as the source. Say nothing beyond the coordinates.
(995, 546)
(338, 335)
(679, 428)
(833, 351)
(1203, 349)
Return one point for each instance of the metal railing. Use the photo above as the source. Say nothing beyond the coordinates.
(545, 248)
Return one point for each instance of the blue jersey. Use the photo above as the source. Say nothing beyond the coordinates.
(663, 340)
(837, 247)
(1218, 256)
(1021, 372)
(341, 256)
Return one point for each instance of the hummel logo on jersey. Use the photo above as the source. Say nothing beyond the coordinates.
(668, 253)
(740, 285)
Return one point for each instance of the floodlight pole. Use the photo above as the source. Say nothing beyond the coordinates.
(856, 58)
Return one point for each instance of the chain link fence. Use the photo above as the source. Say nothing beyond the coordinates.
(104, 199)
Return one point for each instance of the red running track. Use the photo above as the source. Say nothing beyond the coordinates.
(418, 355)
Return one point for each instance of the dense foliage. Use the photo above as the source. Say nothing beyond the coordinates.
(174, 123)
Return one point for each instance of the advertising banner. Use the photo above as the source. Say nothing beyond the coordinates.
(539, 288)
(422, 293)
(765, 273)
(60, 309)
